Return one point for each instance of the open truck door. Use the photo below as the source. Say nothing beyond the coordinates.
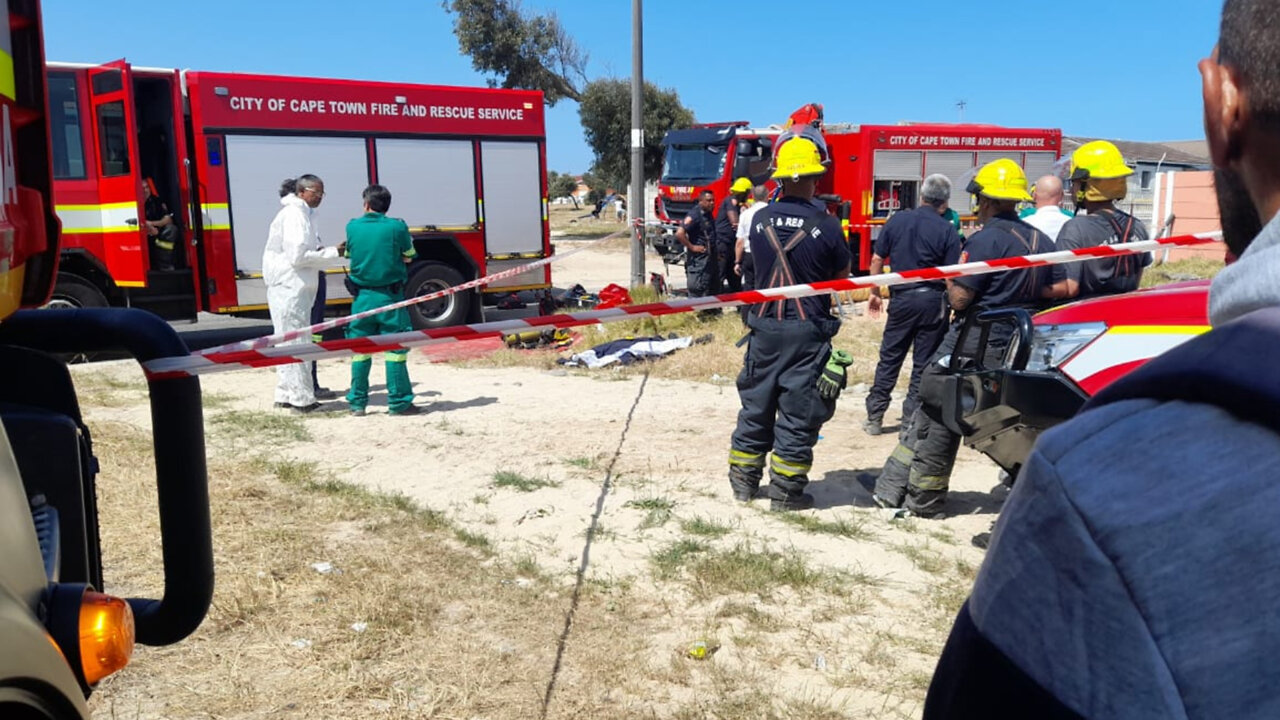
(115, 134)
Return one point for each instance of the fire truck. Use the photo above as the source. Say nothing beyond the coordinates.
(875, 170)
(60, 633)
(466, 168)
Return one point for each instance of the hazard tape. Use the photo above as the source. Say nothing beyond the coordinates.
(290, 335)
(162, 368)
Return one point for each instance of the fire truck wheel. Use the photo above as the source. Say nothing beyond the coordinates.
(71, 292)
(429, 277)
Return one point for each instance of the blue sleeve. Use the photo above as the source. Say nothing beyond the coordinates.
(979, 247)
(1071, 237)
(951, 253)
(841, 255)
(883, 245)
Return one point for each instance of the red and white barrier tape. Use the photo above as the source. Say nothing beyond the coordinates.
(272, 340)
(267, 357)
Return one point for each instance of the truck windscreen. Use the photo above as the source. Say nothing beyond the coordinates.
(693, 164)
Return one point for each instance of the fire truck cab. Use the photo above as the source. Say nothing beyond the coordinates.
(875, 170)
(466, 168)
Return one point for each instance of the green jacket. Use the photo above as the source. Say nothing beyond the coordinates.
(378, 246)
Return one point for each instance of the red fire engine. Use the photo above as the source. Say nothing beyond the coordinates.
(875, 170)
(466, 168)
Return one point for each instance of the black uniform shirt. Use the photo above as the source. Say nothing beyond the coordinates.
(821, 256)
(1006, 236)
(725, 234)
(155, 209)
(1109, 275)
(919, 238)
(699, 227)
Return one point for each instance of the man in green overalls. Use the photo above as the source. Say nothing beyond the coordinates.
(379, 248)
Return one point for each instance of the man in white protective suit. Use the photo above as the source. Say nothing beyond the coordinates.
(289, 264)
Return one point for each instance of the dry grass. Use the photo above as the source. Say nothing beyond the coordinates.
(422, 617)
(1195, 268)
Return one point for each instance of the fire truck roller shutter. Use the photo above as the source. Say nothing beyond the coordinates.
(898, 165)
(432, 182)
(255, 166)
(992, 156)
(1038, 165)
(512, 208)
(954, 165)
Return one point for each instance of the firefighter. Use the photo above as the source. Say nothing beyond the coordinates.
(162, 232)
(790, 377)
(1098, 179)
(917, 474)
(726, 233)
(911, 240)
(290, 262)
(697, 234)
(379, 248)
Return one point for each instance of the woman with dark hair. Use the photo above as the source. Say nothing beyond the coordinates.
(290, 262)
(289, 187)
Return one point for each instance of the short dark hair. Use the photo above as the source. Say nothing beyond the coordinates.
(377, 198)
(1249, 42)
(705, 193)
(305, 182)
(289, 187)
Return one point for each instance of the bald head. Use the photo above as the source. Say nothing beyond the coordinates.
(1048, 191)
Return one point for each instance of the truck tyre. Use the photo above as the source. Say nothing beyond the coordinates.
(429, 277)
(72, 292)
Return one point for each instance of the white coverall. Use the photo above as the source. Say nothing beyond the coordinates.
(289, 266)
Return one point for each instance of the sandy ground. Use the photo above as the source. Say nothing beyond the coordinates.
(608, 445)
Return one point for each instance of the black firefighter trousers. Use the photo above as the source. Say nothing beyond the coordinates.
(781, 411)
(916, 323)
(917, 474)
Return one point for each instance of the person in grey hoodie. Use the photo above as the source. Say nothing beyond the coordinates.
(1135, 569)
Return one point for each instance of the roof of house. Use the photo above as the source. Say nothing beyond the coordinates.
(1148, 152)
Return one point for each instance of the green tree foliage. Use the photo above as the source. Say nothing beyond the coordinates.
(605, 111)
(561, 185)
(523, 50)
(595, 187)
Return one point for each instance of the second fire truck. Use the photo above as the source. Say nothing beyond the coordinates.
(466, 167)
(875, 170)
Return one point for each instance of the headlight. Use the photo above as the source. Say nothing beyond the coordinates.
(1052, 345)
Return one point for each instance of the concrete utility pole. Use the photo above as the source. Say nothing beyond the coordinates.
(635, 203)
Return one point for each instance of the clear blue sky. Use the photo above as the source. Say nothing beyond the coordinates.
(1127, 73)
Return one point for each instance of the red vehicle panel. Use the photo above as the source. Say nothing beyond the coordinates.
(217, 146)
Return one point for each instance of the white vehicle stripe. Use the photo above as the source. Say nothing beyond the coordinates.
(1116, 347)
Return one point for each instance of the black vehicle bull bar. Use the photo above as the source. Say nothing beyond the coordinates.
(1001, 410)
(177, 423)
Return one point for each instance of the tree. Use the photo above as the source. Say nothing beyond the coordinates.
(523, 50)
(595, 188)
(562, 185)
(605, 111)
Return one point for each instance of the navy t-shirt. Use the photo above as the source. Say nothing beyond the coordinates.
(699, 227)
(725, 234)
(1001, 237)
(919, 238)
(820, 256)
(1108, 275)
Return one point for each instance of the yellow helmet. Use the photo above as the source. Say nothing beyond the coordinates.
(798, 157)
(1098, 171)
(740, 185)
(1098, 160)
(1001, 179)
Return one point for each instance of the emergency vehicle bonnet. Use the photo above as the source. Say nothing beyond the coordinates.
(1001, 179)
(1098, 172)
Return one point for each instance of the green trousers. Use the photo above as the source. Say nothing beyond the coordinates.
(399, 389)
